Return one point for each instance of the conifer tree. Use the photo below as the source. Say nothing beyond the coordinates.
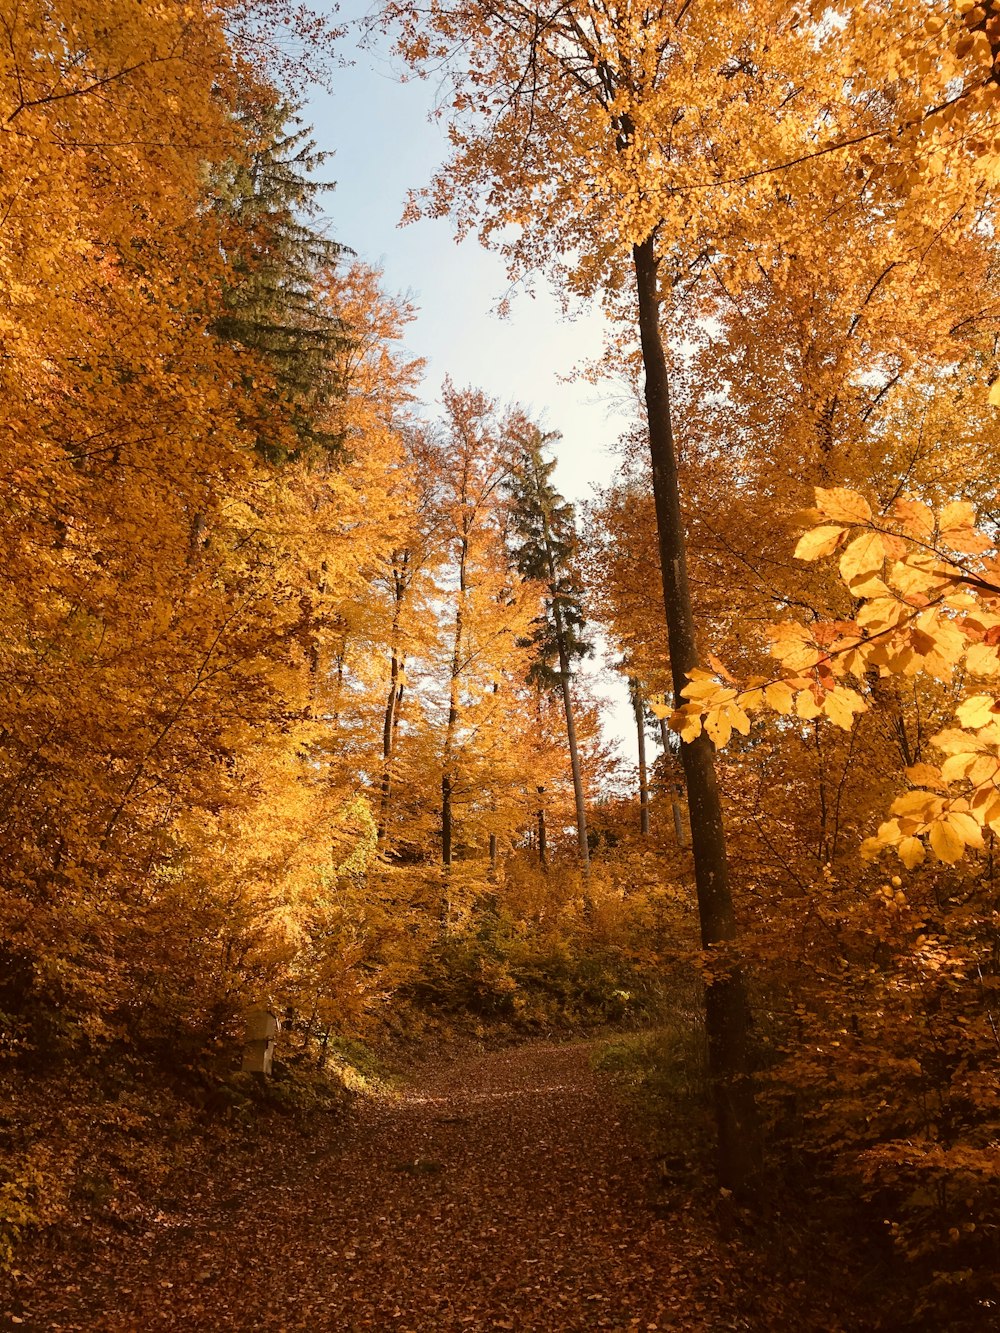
(277, 256)
(543, 534)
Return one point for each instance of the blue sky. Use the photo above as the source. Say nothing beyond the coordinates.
(384, 144)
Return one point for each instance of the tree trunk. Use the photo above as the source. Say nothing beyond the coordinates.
(726, 1009)
(583, 846)
(543, 854)
(673, 790)
(390, 720)
(640, 729)
(449, 736)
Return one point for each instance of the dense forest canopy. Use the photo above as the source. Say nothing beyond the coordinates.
(293, 711)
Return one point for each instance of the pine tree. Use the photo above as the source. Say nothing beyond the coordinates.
(543, 535)
(278, 255)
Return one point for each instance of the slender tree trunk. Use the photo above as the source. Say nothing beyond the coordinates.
(583, 846)
(726, 1008)
(673, 791)
(447, 778)
(543, 853)
(640, 730)
(493, 856)
(391, 709)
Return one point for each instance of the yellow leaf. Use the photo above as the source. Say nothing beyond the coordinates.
(958, 514)
(977, 711)
(925, 775)
(914, 517)
(863, 559)
(952, 741)
(840, 706)
(982, 660)
(922, 805)
(719, 669)
(806, 706)
(843, 506)
(687, 722)
(966, 827)
(994, 394)
(719, 728)
(911, 852)
(780, 696)
(958, 766)
(821, 541)
(738, 718)
(945, 843)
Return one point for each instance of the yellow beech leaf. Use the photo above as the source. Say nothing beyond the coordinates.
(911, 852)
(925, 775)
(983, 660)
(983, 770)
(945, 843)
(870, 848)
(707, 690)
(966, 827)
(739, 719)
(659, 706)
(977, 711)
(687, 722)
(780, 696)
(821, 541)
(719, 728)
(968, 540)
(958, 514)
(889, 833)
(994, 395)
(870, 586)
(842, 506)
(719, 669)
(922, 805)
(806, 706)
(840, 706)
(862, 560)
(953, 741)
(914, 517)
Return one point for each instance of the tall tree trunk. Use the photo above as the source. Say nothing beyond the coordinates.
(583, 847)
(390, 719)
(726, 1008)
(674, 790)
(447, 777)
(640, 730)
(543, 853)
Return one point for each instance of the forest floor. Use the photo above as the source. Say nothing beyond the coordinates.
(500, 1190)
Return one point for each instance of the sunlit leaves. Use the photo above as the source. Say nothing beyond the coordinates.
(919, 611)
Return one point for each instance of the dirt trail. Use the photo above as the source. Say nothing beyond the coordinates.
(500, 1191)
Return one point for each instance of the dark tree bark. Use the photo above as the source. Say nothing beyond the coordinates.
(726, 1009)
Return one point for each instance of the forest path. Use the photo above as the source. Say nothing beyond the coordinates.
(498, 1191)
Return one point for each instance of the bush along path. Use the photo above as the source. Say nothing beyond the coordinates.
(507, 1190)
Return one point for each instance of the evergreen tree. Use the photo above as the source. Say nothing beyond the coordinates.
(544, 546)
(278, 255)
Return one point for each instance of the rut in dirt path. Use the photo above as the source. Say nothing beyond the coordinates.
(503, 1191)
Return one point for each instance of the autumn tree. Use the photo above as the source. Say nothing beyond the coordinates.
(489, 605)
